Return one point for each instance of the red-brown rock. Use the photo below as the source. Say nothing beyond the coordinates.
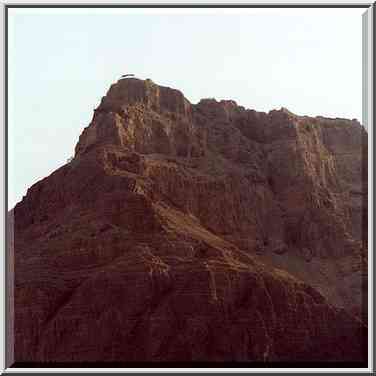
(203, 232)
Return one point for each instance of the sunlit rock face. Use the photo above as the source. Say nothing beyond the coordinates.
(205, 232)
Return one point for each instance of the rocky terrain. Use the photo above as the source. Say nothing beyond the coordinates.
(196, 233)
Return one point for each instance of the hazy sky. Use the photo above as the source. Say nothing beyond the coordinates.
(62, 61)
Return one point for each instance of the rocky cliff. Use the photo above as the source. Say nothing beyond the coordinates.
(204, 232)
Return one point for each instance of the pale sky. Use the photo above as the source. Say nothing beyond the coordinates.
(62, 61)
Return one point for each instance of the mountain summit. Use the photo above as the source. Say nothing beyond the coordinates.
(188, 232)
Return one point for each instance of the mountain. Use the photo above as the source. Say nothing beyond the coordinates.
(196, 233)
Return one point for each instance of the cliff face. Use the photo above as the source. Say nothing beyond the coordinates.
(187, 232)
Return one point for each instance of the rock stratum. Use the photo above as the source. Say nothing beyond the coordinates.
(196, 233)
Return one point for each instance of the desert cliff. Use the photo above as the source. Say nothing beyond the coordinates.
(196, 232)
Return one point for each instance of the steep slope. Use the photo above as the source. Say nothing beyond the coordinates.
(185, 232)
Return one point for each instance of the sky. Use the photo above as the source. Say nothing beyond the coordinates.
(62, 62)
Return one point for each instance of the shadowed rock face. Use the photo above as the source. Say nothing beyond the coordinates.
(202, 232)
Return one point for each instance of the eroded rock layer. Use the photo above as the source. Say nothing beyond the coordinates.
(204, 232)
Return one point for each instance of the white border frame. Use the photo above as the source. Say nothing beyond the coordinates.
(367, 119)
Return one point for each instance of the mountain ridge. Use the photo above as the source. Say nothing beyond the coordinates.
(257, 219)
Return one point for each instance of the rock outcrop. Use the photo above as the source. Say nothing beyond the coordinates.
(204, 232)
